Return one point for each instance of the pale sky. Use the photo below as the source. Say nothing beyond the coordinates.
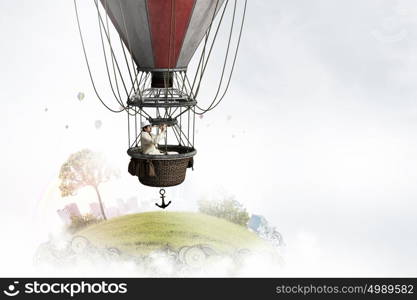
(323, 112)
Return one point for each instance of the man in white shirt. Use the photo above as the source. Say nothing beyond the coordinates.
(150, 141)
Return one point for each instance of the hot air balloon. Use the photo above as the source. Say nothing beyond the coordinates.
(157, 40)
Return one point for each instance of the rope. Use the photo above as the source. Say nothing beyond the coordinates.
(140, 120)
(227, 53)
(180, 124)
(200, 64)
(136, 140)
(128, 129)
(212, 44)
(193, 130)
(113, 64)
(127, 62)
(111, 49)
(234, 59)
(114, 71)
(181, 133)
(112, 58)
(114, 61)
(105, 60)
(136, 122)
(128, 43)
(176, 136)
(188, 129)
(87, 62)
(212, 105)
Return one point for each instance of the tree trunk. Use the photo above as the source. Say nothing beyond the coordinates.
(100, 202)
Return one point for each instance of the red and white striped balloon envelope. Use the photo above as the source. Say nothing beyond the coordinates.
(162, 34)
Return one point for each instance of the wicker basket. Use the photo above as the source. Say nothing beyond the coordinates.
(161, 170)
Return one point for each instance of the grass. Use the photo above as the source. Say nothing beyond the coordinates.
(139, 234)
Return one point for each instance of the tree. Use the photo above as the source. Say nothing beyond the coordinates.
(228, 209)
(85, 168)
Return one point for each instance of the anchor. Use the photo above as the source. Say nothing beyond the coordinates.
(163, 205)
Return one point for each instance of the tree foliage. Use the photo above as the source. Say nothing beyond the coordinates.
(228, 209)
(85, 168)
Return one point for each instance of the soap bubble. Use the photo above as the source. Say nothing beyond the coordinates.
(98, 124)
(80, 96)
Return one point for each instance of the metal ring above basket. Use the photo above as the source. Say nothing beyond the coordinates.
(183, 152)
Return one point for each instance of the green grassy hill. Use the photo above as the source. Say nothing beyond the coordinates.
(145, 232)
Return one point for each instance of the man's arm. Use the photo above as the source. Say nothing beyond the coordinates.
(160, 134)
(158, 137)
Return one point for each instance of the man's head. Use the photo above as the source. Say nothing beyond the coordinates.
(146, 126)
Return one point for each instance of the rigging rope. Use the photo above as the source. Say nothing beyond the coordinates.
(111, 50)
(87, 62)
(212, 105)
(112, 60)
(106, 63)
(226, 56)
(128, 44)
(205, 45)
